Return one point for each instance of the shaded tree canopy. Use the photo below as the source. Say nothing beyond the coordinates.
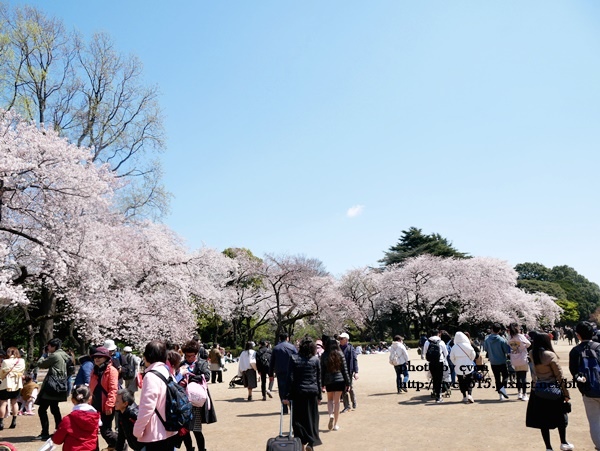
(576, 288)
(414, 242)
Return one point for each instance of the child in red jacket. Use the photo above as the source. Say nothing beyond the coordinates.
(79, 430)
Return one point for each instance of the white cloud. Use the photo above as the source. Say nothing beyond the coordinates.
(355, 211)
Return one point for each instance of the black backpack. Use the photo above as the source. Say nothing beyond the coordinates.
(433, 351)
(70, 367)
(127, 367)
(264, 360)
(178, 408)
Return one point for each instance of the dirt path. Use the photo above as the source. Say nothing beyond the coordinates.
(382, 421)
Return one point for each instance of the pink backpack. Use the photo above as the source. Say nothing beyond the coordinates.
(198, 393)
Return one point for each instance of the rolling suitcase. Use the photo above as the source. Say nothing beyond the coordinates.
(284, 442)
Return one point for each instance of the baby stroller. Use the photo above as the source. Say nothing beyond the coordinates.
(236, 380)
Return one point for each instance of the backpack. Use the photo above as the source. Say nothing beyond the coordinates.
(589, 368)
(70, 367)
(127, 367)
(178, 408)
(433, 351)
(264, 360)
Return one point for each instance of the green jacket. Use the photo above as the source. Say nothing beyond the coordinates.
(56, 363)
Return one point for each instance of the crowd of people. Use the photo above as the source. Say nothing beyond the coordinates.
(104, 387)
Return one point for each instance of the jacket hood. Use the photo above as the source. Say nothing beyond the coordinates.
(85, 420)
(434, 338)
(461, 338)
(395, 344)
(493, 337)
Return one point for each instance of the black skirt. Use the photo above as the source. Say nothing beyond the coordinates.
(5, 395)
(249, 378)
(545, 413)
(305, 421)
(336, 386)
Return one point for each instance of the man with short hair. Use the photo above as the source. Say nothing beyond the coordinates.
(263, 362)
(585, 332)
(55, 360)
(438, 355)
(496, 348)
(279, 366)
(352, 365)
(129, 369)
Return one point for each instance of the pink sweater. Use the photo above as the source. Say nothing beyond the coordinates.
(148, 428)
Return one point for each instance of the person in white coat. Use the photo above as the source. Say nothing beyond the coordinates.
(399, 358)
(463, 356)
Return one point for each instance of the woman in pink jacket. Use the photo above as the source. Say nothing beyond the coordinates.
(148, 428)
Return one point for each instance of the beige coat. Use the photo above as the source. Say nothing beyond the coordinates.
(549, 371)
(11, 373)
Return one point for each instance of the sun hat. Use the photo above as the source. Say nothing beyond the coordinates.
(110, 345)
(345, 335)
(101, 352)
(127, 349)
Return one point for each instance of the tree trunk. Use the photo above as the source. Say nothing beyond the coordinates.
(47, 312)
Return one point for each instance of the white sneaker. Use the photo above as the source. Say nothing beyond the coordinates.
(503, 392)
(336, 428)
(465, 400)
(439, 400)
(500, 397)
(525, 398)
(470, 399)
(520, 395)
(566, 447)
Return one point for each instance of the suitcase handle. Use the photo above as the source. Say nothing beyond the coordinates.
(291, 433)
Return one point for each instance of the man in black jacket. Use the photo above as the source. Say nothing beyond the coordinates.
(125, 404)
(280, 363)
(263, 362)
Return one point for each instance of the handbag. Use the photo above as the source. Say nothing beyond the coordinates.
(548, 390)
(198, 393)
(55, 386)
(566, 407)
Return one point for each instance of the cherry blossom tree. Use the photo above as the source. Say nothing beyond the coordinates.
(362, 288)
(433, 289)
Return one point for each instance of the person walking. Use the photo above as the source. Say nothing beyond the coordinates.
(544, 413)
(352, 365)
(463, 356)
(149, 428)
(104, 384)
(518, 358)
(304, 386)
(334, 378)
(496, 348)
(436, 354)
(263, 362)
(279, 366)
(399, 358)
(216, 368)
(129, 369)
(591, 402)
(247, 367)
(11, 383)
(54, 360)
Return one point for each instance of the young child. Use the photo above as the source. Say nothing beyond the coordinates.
(78, 431)
(28, 394)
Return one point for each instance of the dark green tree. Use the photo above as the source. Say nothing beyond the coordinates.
(414, 242)
(578, 289)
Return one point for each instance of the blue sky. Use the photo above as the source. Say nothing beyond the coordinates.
(475, 120)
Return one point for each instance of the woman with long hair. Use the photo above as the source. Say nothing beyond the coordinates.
(335, 379)
(247, 366)
(544, 413)
(518, 358)
(11, 383)
(304, 389)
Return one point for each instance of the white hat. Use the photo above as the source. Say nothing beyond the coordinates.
(345, 335)
(127, 349)
(110, 345)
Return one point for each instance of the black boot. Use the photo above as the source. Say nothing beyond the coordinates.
(13, 423)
